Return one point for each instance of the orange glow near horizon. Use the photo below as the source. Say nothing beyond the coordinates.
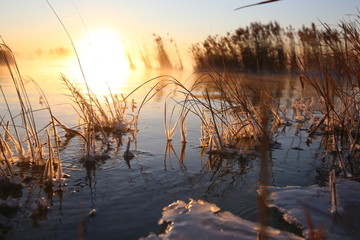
(103, 60)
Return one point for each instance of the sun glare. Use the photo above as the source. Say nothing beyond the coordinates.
(103, 59)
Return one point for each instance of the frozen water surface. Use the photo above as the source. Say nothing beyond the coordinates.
(203, 220)
(299, 204)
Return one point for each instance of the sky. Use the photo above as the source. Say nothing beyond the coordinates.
(32, 30)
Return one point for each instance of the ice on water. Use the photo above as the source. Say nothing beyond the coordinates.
(295, 202)
(203, 220)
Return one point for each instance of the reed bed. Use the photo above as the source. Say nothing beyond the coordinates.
(331, 70)
(327, 61)
(232, 119)
(226, 118)
(338, 91)
(269, 47)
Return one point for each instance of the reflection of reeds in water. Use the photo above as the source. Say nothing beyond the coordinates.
(169, 148)
(169, 151)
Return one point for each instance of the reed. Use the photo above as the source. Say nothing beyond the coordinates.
(257, 47)
(338, 89)
(230, 117)
(169, 126)
(225, 119)
(21, 141)
(6, 170)
(271, 48)
(99, 118)
(167, 53)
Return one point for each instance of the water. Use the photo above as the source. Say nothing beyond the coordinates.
(128, 197)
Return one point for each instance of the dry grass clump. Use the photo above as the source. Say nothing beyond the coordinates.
(338, 89)
(226, 112)
(230, 116)
(271, 48)
(255, 47)
(21, 141)
(99, 118)
(108, 115)
(6, 170)
(167, 56)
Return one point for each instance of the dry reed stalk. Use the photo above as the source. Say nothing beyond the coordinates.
(169, 127)
(183, 126)
(95, 118)
(182, 119)
(49, 171)
(339, 98)
(35, 147)
(6, 170)
(332, 185)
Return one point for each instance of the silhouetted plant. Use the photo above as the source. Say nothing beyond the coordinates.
(268, 47)
(162, 54)
(257, 47)
(337, 84)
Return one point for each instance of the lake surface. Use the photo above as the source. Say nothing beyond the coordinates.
(129, 196)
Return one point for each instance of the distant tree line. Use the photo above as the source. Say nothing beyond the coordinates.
(269, 47)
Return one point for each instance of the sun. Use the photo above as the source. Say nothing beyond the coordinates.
(103, 60)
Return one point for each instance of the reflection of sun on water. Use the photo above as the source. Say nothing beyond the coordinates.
(103, 61)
